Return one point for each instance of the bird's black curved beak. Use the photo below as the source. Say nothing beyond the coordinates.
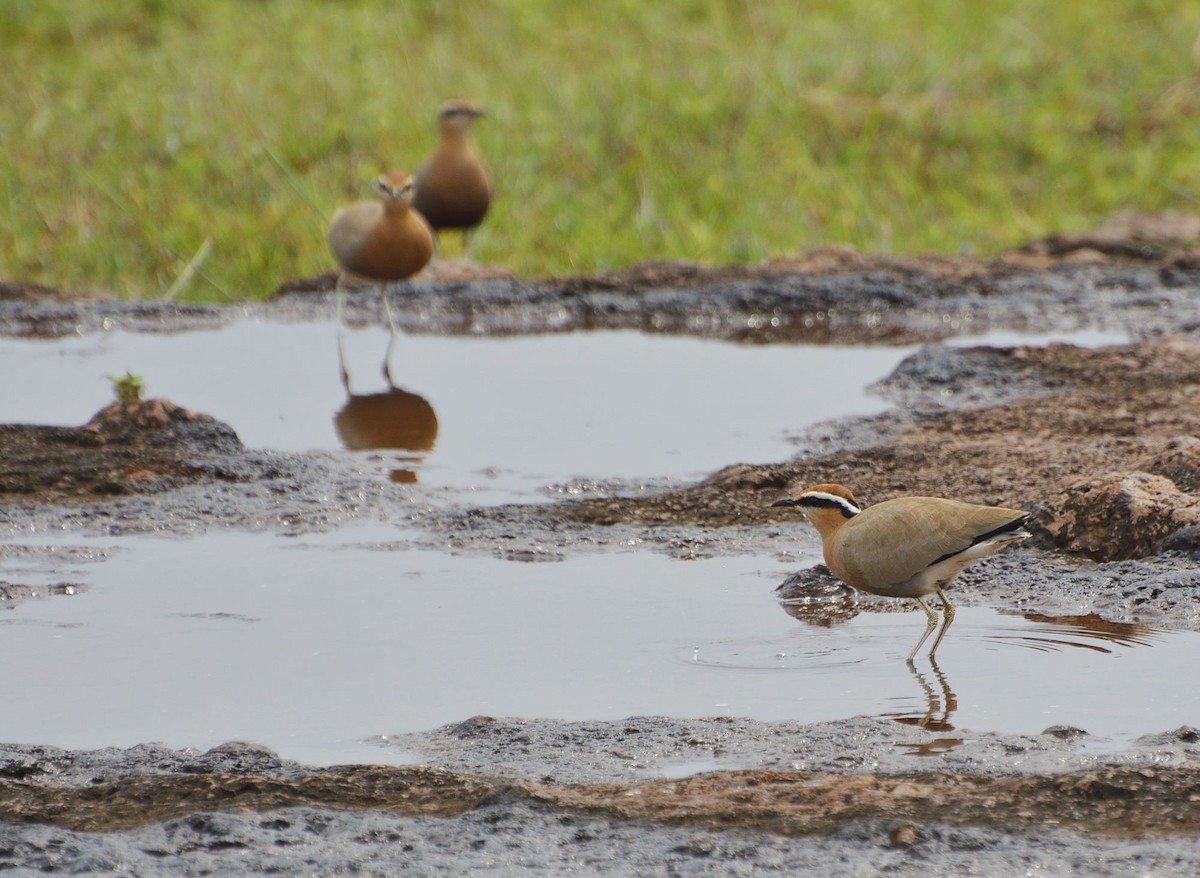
(786, 501)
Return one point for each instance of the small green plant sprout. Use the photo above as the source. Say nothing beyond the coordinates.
(127, 387)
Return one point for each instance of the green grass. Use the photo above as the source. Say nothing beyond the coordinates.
(134, 132)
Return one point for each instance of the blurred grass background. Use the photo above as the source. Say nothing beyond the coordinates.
(133, 131)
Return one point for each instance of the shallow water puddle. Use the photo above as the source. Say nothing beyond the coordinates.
(504, 416)
(1004, 671)
(510, 415)
(312, 646)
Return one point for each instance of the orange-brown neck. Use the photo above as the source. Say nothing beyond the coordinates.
(827, 521)
(396, 208)
(455, 132)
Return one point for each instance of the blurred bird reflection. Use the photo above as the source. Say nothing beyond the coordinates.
(393, 419)
(1077, 630)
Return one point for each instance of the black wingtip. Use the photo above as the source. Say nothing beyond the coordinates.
(1010, 527)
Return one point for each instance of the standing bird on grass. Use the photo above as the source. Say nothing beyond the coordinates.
(382, 240)
(908, 547)
(452, 186)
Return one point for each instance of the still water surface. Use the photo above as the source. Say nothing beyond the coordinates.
(311, 645)
(509, 415)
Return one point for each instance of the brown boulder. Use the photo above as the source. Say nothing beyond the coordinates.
(1179, 461)
(1114, 517)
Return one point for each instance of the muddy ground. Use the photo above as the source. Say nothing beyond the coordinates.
(1103, 445)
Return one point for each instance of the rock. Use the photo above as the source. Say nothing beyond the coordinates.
(162, 422)
(1115, 517)
(1179, 462)
(126, 448)
(1185, 541)
(904, 835)
(939, 377)
(817, 597)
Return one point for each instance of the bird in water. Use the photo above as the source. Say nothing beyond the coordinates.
(908, 547)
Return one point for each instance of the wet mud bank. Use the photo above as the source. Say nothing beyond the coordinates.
(831, 296)
(1102, 444)
(544, 797)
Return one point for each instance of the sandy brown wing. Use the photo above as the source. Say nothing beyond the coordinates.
(453, 190)
(348, 233)
(893, 541)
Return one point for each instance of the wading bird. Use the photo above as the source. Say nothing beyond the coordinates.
(382, 240)
(908, 547)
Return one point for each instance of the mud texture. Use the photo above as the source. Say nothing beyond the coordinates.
(150, 810)
(1086, 417)
(126, 448)
(1102, 445)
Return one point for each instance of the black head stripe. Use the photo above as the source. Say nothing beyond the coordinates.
(828, 501)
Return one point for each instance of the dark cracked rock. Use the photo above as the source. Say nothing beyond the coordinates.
(1124, 515)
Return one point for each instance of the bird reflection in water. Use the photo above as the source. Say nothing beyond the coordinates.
(394, 419)
(1050, 634)
(940, 704)
(816, 597)
(1053, 632)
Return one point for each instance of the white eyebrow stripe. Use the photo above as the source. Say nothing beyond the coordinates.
(830, 500)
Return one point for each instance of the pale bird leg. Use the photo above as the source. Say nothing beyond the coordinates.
(932, 704)
(387, 308)
(930, 624)
(392, 331)
(947, 693)
(947, 616)
(387, 362)
(340, 292)
(939, 705)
